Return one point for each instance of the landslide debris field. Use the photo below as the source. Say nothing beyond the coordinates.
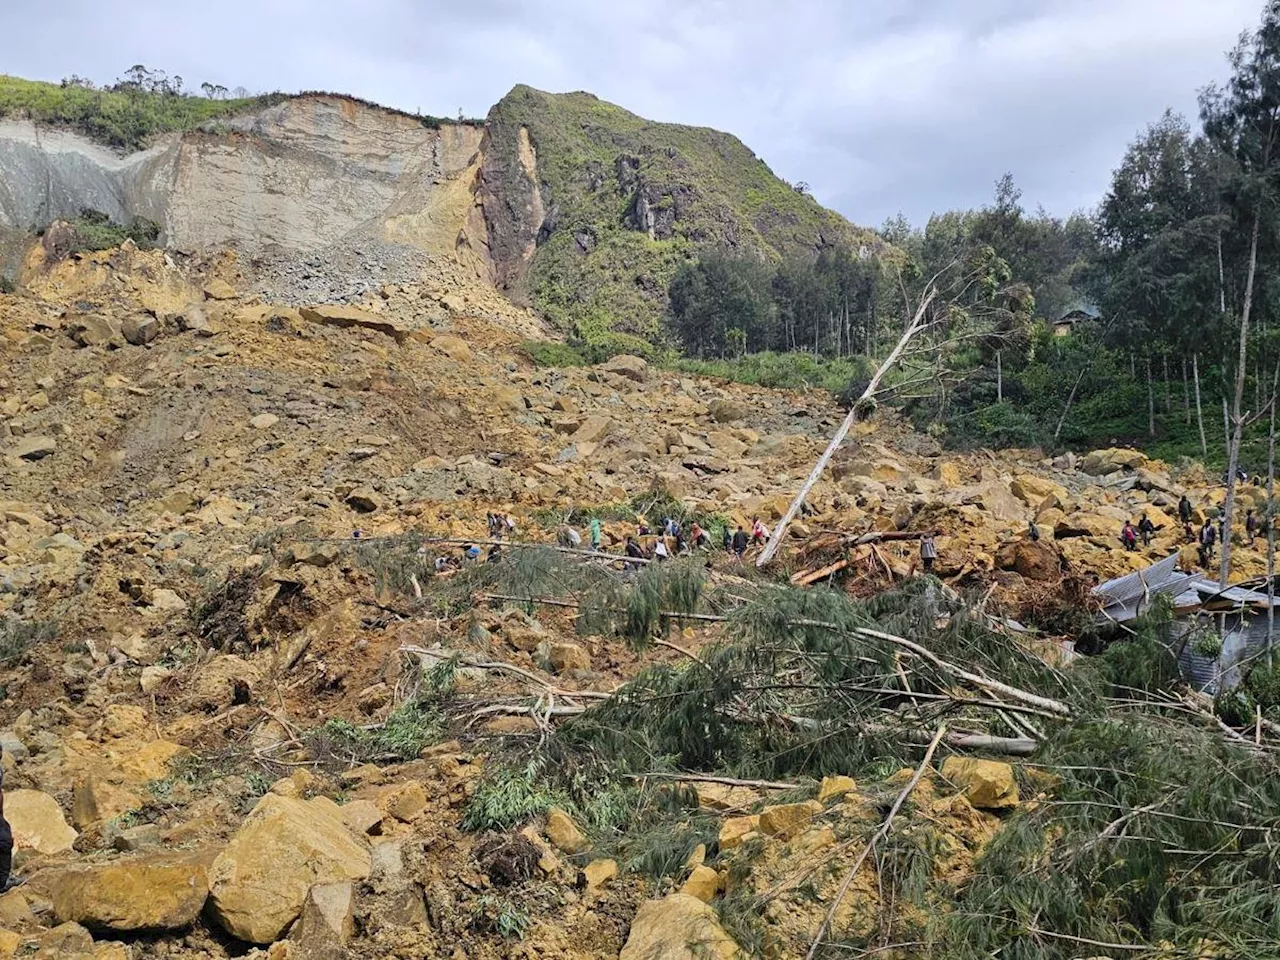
(233, 727)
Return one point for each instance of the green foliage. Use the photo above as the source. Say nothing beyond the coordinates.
(783, 371)
(95, 230)
(493, 913)
(635, 610)
(546, 354)
(407, 731)
(1263, 684)
(598, 270)
(125, 118)
(1147, 658)
(723, 304)
(7, 284)
(505, 798)
(17, 636)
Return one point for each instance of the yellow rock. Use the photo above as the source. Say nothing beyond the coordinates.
(600, 872)
(703, 883)
(260, 880)
(785, 820)
(946, 473)
(737, 829)
(9, 943)
(723, 797)
(1033, 491)
(698, 857)
(404, 801)
(564, 833)
(94, 799)
(37, 822)
(154, 892)
(678, 927)
(833, 787)
(987, 784)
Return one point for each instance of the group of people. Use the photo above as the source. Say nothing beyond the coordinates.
(1144, 531)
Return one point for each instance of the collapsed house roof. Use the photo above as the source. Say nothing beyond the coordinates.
(1127, 597)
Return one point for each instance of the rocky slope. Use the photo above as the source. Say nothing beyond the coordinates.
(184, 606)
(563, 202)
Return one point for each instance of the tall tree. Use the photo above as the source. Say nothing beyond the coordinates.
(1242, 119)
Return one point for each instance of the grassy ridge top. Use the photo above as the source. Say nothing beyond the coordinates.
(121, 119)
(630, 199)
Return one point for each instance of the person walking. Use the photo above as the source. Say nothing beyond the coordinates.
(740, 542)
(597, 535)
(1208, 537)
(6, 840)
(1184, 509)
(1250, 525)
(1146, 529)
(1129, 536)
(928, 552)
(759, 532)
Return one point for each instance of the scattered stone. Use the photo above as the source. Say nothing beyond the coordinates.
(91, 331)
(987, 784)
(405, 801)
(164, 600)
(264, 421)
(786, 820)
(703, 883)
(34, 448)
(600, 872)
(218, 289)
(316, 554)
(140, 330)
(455, 348)
(37, 822)
(564, 833)
(569, 656)
(363, 500)
(94, 800)
(151, 892)
(678, 927)
(833, 788)
(727, 411)
(593, 429)
(327, 922)
(259, 883)
(735, 830)
(625, 365)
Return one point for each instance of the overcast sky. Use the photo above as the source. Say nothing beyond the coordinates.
(880, 105)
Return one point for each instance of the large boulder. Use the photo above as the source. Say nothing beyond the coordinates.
(141, 329)
(152, 892)
(342, 315)
(987, 784)
(993, 497)
(727, 411)
(1101, 463)
(1033, 490)
(37, 822)
(625, 365)
(258, 884)
(678, 927)
(1034, 559)
(327, 922)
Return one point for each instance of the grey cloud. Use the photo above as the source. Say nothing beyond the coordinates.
(881, 105)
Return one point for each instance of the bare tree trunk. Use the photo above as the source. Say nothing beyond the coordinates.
(1151, 403)
(1186, 393)
(1271, 519)
(999, 379)
(1195, 369)
(1168, 394)
(1233, 458)
(1067, 409)
(780, 531)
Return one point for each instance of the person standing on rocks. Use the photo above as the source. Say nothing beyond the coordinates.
(759, 532)
(1129, 536)
(1208, 537)
(633, 550)
(1147, 529)
(928, 552)
(1250, 525)
(698, 537)
(596, 534)
(739, 542)
(1184, 509)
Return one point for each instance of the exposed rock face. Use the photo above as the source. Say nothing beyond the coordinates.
(163, 892)
(259, 883)
(678, 927)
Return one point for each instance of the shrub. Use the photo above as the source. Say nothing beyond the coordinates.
(505, 799)
(7, 284)
(406, 732)
(17, 636)
(546, 354)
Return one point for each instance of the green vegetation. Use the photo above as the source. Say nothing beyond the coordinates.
(17, 636)
(95, 230)
(492, 913)
(125, 115)
(507, 798)
(633, 200)
(783, 371)
(407, 731)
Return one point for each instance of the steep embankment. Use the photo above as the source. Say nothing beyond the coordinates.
(331, 196)
(591, 209)
(564, 202)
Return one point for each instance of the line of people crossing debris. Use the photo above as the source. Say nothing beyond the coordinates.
(1211, 532)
